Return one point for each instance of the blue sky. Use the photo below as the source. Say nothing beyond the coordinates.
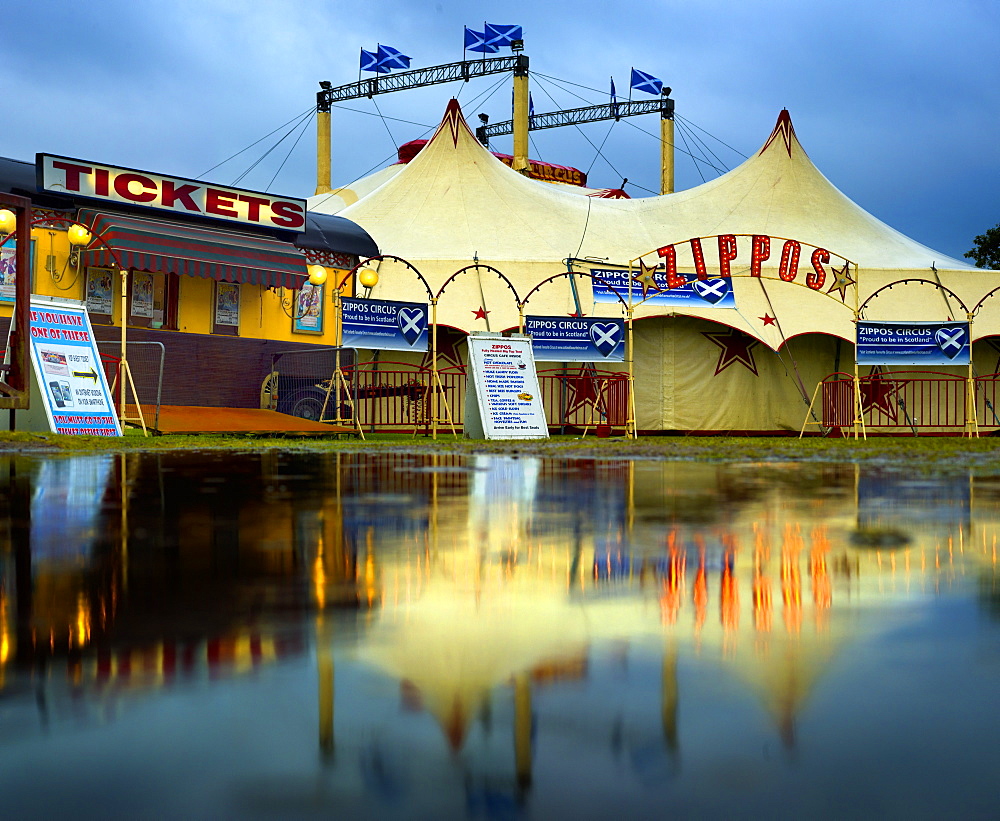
(896, 102)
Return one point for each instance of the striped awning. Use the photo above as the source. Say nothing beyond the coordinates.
(178, 248)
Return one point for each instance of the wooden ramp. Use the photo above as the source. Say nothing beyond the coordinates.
(195, 419)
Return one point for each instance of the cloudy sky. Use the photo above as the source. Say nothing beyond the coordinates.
(896, 101)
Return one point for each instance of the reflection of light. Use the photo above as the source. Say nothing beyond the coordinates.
(82, 620)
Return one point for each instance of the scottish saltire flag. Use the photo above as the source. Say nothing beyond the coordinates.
(476, 41)
(641, 81)
(390, 58)
(369, 62)
(499, 35)
(614, 100)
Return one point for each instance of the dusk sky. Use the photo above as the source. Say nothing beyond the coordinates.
(896, 102)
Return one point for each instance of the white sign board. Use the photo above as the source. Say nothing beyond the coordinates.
(503, 400)
(68, 380)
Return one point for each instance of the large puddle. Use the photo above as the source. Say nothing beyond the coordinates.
(397, 636)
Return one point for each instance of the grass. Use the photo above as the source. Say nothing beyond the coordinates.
(921, 454)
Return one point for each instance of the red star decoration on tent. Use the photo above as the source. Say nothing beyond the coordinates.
(875, 395)
(736, 347)
(577, 314)
(582, 391)
(480, 313)
(646, 280)
(842, 280)
(767, 319)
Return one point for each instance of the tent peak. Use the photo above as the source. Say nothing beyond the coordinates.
(454, 120)
(784, 130)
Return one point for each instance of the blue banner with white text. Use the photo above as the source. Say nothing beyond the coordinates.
(572, 339)
(379, 324)
(913, 343)
(695, 293)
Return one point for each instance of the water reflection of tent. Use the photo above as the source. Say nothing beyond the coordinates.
(456, 646)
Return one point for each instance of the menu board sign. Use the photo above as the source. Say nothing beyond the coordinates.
(503, 399)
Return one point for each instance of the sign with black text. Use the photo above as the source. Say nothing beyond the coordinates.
(502, 398)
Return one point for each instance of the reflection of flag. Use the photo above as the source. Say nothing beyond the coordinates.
(500, 35)
(476, 41)
(369, 62)
(641, 81)
(390, 58)
(614, 100)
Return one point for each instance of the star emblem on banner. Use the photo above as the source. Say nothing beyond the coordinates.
(583, 390)
(736, 347)
(842, 280)
(646, 279)
(767, 319)
(577, 314)
(480, 313)
(875, 395)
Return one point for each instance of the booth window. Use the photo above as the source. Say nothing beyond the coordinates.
(153, 300)
(226, 310)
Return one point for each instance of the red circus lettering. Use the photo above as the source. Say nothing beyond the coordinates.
(699, 259)
(788, 268)
(816, 277)
(759, 253)
(727, 253)
(669, 253)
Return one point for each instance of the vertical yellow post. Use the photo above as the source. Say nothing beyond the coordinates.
(324, 663)
(521, 105)
(323, 149)
(667, 147)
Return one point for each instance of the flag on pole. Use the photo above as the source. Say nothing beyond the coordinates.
(390, 58)
(614, 100)
(499, 35)
(369, 62)
(476, 41)
(641, 81)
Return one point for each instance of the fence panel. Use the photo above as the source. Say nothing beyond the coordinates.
(145, 364)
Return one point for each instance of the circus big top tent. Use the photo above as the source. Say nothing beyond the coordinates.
(800, 254)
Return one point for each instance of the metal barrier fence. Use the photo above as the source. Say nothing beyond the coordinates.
(909, 400)
(145, 363)
(397, 396)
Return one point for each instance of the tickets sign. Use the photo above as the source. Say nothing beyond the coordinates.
(617, 285)
(144, 188)
(379, 324)
(913, 343)
(562, 339)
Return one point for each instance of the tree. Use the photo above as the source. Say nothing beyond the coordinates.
(986, 252)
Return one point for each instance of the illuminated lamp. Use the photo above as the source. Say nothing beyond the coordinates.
(78, 236)
(317, 274)
(8, 221)
(368, 278)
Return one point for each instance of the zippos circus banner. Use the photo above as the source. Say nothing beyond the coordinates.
(612, 283)
(913, 343)
(382, 325)
(558, 339)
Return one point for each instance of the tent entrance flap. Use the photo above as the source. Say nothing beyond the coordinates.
(176, 248)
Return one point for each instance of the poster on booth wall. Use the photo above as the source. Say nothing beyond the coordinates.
(308, 317)
(227, 304)
(8, 272)
(69, 380)
(100, 291)
(612, 283)
(378, 324)
(913, 343)
(502, 398)
(142, 295)
(571, 339)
